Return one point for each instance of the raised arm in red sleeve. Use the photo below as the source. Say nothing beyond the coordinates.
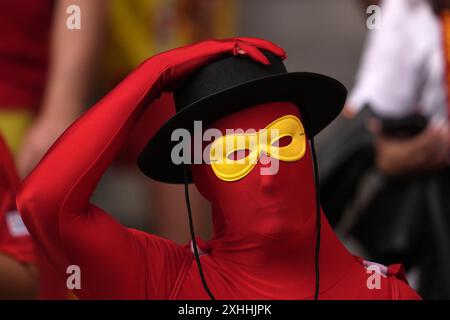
(115, 262)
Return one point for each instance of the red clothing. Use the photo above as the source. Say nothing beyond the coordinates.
(151, 120)
(15, 240)
(52, 285)
(24, 45)
(264, 226)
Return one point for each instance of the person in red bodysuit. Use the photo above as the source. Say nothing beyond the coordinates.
(265, 228)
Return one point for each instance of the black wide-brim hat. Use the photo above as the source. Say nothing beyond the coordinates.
(232, 84)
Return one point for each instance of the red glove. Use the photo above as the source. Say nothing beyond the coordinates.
(54, 200)
(170, 68)
(180, 63)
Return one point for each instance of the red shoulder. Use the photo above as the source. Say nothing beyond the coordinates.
(395, 276)
(400, 286)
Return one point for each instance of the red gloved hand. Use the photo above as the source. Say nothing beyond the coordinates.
(177, 64)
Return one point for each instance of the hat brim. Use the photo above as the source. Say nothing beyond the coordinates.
(319, 98)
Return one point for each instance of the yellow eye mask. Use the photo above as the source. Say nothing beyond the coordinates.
(250, 146)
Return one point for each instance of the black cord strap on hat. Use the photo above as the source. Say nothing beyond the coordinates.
(191, 229)
(318, 221)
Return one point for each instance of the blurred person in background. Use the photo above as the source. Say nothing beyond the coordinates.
(18, 273)
(397, 171)
(45, 73)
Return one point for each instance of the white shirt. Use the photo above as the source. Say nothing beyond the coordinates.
(402, 70)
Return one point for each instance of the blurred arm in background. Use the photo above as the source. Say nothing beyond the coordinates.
(73, 56)
(427, 151)
(25, 278)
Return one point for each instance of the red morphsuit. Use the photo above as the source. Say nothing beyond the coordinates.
(264, 226)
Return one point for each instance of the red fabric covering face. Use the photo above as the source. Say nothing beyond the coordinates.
(263, 245)
(265, 224)
(278, 205)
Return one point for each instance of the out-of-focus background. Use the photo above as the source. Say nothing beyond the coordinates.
(383, 164)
